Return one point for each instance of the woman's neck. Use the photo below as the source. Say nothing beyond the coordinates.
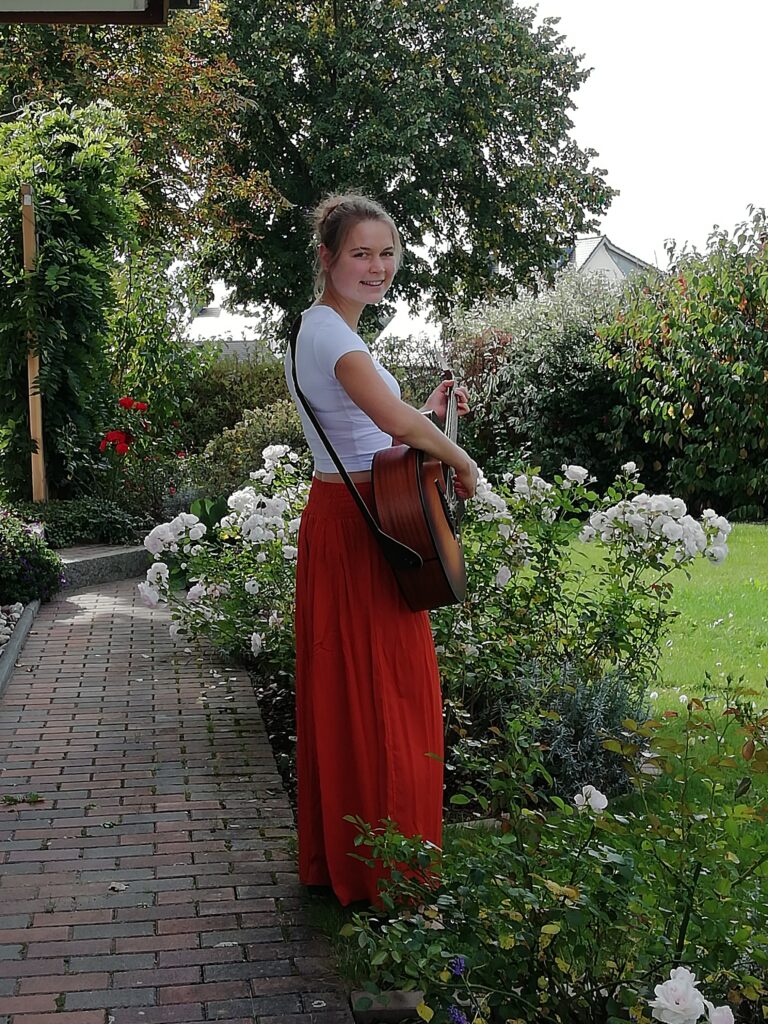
(348, 311)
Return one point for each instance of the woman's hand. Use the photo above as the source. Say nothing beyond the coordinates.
(438, 400)
(465, 479)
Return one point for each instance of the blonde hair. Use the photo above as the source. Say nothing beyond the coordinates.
(335, 216)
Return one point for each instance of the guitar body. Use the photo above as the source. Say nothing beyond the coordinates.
(409, 495)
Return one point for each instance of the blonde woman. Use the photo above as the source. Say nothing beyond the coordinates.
(368, 704)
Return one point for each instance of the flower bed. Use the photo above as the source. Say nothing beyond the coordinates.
(622, 850)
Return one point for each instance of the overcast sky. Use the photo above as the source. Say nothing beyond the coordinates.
(674, 106)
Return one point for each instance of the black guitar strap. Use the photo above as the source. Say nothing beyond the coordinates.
(399, 555)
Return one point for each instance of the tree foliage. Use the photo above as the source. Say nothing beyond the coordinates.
(455, 114)
(180, 94)
(79, 162)
(690, 353)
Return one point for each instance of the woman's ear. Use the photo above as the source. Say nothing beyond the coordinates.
(324, 255)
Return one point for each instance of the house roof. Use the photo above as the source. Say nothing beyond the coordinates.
(585, 248)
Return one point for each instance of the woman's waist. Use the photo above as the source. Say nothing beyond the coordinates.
(361, 476)
(332, 499)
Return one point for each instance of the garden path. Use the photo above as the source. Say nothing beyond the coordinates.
(153, 881)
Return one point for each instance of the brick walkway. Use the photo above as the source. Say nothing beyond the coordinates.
(155, 881)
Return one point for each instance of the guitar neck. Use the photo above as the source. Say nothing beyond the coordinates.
(451, 427)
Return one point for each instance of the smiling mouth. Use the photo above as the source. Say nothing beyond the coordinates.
(373, 284)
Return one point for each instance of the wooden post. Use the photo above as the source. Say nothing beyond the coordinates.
(29, 239)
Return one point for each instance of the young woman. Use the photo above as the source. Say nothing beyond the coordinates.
(368, 705)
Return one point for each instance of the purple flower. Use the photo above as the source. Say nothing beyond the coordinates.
(456, 1016)
(457, 965)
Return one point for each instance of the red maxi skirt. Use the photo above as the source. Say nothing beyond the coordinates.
(368, 706)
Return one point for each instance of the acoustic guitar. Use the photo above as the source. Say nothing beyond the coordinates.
(415, 502)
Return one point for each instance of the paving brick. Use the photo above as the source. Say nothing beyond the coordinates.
(81, 1017)
(106, 725)
(257, 1006)
(217, 990)
(62, 983)
(186, 1013)
(107, 998)
(158, 976)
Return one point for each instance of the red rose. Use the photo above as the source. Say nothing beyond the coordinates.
(181, 455)
(125, 402)
(140, 406)
(103, 445)
(171, 489)
(121, 448)
(115, 435)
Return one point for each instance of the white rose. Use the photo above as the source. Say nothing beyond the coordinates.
(717, 553)
(587, 534)
(149, 595)
(252, 587)
(257, 642)
(589, 796)
(678, 1001)
(629, 468)
(575, 473)
(719, 1014)
(672, 530)
(289, 553)
(660, 503)
(157, 571)
(195, 593)
(197, 531)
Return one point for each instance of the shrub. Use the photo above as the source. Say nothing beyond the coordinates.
(689, 352)
(228, 459)
(142, 465)
(83, 521)
(534, 368)
(29, 570)
(79, 161)
(150, 352)
(574, 909)
(228, 387)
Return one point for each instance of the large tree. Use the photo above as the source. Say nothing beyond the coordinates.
(455, 113)
(180, 94)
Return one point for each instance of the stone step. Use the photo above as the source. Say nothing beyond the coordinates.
(90, 564)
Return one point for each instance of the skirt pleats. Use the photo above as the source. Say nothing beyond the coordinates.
(368, 705)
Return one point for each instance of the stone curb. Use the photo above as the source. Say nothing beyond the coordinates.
(106, 567)
(13, 648)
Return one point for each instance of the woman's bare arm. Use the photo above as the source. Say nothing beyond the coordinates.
(360, 379)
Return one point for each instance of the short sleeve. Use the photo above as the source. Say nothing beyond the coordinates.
(331, 343)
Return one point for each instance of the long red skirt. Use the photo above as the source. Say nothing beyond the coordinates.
(368, 705)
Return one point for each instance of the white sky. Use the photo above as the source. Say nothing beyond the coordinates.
(674, 107)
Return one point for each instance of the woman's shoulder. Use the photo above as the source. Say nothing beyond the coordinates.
(325, 326)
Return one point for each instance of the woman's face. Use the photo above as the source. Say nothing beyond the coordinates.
(366, 264)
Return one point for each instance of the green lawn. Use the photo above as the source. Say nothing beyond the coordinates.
(723, 622)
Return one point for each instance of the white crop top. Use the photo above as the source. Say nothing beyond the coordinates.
(324, 337)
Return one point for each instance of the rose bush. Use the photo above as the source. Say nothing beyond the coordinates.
(530, 632)
(143, 465)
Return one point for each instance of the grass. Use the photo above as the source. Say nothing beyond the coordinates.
(723, 623)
